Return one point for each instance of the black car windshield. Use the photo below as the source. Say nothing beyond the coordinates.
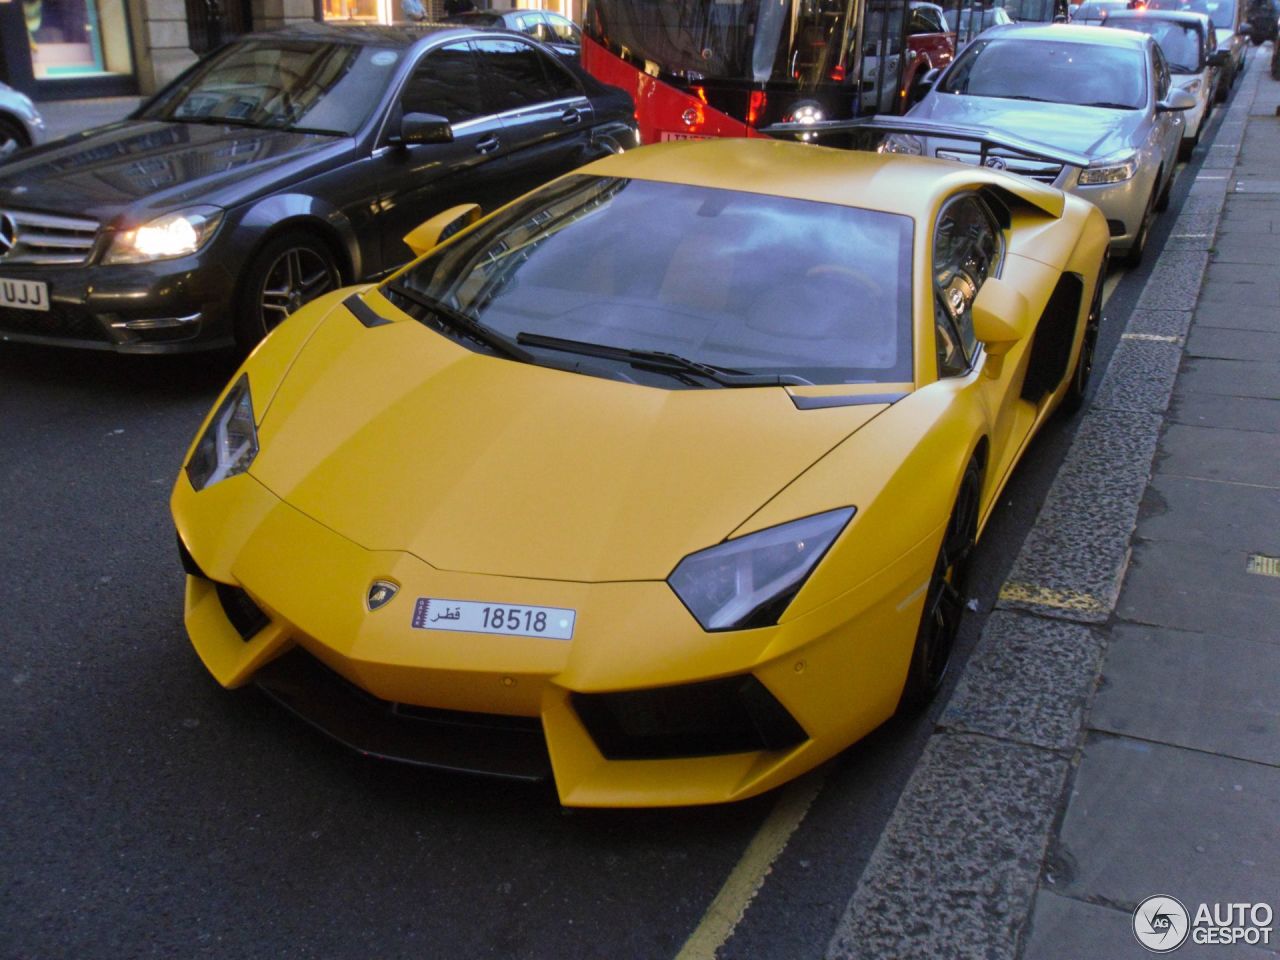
(1181, 43)
(1051, 71)
(282, 83)
(753, 283)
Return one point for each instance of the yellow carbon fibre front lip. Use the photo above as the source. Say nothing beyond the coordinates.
(312, 583)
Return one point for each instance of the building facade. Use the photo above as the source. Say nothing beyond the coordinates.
(66, 49)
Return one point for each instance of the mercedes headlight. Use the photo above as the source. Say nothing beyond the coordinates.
(173, 235)
(229, 443)
(748, 582)
(1110, 171)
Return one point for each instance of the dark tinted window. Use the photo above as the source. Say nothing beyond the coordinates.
(753, 282)
(445, 83)
(516, 75)
(1051, 71)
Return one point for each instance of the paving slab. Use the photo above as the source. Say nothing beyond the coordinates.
(1257, 226)
(1221, 313)
(1144, 815)
(1028, 680)
(1250, 293)
(1229, 344)
(1195, 587)
(1237, 413)
(1244, 248)
(1212, 513)
(956, 868)
(1215, 453)
(1232, 378)
(1203, 691)
(1066, 929)
(1074, 557)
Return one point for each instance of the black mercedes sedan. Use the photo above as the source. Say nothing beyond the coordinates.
(279, 167)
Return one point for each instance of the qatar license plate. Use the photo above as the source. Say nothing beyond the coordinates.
(24, 294)
(667, 135)
(469, 616)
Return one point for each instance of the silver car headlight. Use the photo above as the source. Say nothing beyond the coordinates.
(901, 143)
(230, 442)
(748, 582)
(172, 235)
(1192, 85)
(1110, 171)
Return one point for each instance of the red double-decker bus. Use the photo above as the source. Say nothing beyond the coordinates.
(729, 68)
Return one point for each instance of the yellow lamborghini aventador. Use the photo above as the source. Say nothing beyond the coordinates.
(658, 481)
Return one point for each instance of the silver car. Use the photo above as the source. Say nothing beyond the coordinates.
(1105, 95)
(20, 122)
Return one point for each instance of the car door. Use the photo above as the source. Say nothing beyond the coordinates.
(545, 114)
(420, 180)
(1170, 123)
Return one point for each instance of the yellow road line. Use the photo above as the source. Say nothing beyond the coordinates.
(1049, 597)
(742, 885)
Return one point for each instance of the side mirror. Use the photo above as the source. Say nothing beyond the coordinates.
(1246, 30)
(1176, 100)
(923, 84)
(424, 128)
(1001, 317)
(427, 235)
(1217, 59)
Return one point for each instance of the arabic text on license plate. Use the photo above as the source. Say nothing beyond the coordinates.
(24, 294)
(468, 616)
(667, 135)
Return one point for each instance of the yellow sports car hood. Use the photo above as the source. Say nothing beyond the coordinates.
(400, 439)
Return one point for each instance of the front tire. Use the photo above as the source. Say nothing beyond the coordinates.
(1073, 399)
(1133, 257)
(944, 599)
(12, 138)
(290, 270)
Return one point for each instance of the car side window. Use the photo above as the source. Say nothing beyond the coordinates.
(445, 82)
(967, 248)
(1163, 79)
(517, 75)
(562, 30)
(922, 21)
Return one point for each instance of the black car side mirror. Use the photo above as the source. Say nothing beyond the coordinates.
(1246, 30)
(423, 128)
(1217, 59)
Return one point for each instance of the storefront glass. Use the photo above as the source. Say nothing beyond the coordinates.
(75, 39)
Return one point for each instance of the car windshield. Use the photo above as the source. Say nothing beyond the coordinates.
(753, 283)
(288, 84)
(1050, 71)
(1221, 12)
(1180, 42)
(1097, 12)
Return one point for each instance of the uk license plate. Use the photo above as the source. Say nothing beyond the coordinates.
(24, 294)
(469, 616)
(668, 135)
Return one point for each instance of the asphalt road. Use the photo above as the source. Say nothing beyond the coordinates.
(147, 812)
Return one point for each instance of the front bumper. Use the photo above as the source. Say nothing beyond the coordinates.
(609, 715)
(169, 306)
(1123, 204)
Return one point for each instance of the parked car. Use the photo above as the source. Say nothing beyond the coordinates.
(560, 33)
(931, 45)
(659, 482)
(1106, 94)
(1233, 34)
(21, 125)
(967, 22)
(282, 166)
(1262, 16)
(1190, 46)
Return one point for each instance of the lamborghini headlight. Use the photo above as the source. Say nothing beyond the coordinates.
(748, 582)
(229, 443)
(1113, 170)
(173, 235)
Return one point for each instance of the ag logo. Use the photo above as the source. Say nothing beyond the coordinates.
(997, 163)
(1161, 924)
(380, 593)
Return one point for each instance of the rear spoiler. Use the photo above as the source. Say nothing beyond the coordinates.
(986, 138)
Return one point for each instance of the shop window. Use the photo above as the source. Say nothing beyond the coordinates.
(77, 38)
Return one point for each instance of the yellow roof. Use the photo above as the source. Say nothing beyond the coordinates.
(894, 183)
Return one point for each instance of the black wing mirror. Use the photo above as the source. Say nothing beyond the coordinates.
(423, 128)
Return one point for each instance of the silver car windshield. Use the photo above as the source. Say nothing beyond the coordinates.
(1051, 71)
(748, 282)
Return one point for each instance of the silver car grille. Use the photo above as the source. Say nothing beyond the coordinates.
(1046, 171)
(43, 238)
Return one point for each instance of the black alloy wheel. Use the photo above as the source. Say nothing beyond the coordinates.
(12, 138)
(944, 599)
(1073, 399)
(289, 271)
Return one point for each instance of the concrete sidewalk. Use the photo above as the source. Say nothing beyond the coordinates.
(1116, 733)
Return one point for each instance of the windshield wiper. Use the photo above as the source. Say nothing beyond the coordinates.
(662, 362)
(463, 323)
(1108, 105)
(210, 121)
